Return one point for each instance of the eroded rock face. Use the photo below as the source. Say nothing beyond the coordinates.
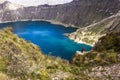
(78, 13)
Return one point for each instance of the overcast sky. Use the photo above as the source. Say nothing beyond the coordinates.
(39, 2)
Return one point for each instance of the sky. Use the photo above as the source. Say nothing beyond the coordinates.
(39, 2)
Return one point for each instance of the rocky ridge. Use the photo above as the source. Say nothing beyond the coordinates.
(84, 12)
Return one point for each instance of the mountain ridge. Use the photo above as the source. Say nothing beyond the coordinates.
(94, 11)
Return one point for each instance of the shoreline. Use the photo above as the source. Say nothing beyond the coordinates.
(79, 42)
(51, 21)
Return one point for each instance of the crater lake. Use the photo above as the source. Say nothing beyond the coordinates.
(50, 37)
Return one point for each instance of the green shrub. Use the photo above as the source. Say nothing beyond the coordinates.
(112, 57)
(108, 42)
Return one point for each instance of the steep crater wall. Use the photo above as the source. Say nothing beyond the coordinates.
(78, 13)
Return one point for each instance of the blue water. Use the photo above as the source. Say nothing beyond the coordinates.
(48, 36)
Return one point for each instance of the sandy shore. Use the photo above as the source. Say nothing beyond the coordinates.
(77, 41)
(81, 42)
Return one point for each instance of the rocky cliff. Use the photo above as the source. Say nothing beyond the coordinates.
(78, 13)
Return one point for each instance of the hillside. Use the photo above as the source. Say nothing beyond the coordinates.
(22, 60)
(104, 59)
(109, 42)
(93, 32)
(79, 13)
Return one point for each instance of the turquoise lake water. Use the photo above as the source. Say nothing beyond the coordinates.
(48, 36)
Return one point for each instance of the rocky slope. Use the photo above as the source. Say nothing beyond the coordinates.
(78, 13)
(93, 32)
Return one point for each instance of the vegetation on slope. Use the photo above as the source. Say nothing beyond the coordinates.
(110, 42)
(22, 60)
(106, 53)
(93, 32)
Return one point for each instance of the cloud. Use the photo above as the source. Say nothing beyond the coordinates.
(39, 2)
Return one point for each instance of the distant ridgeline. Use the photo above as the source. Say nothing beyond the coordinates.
(84, 12)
